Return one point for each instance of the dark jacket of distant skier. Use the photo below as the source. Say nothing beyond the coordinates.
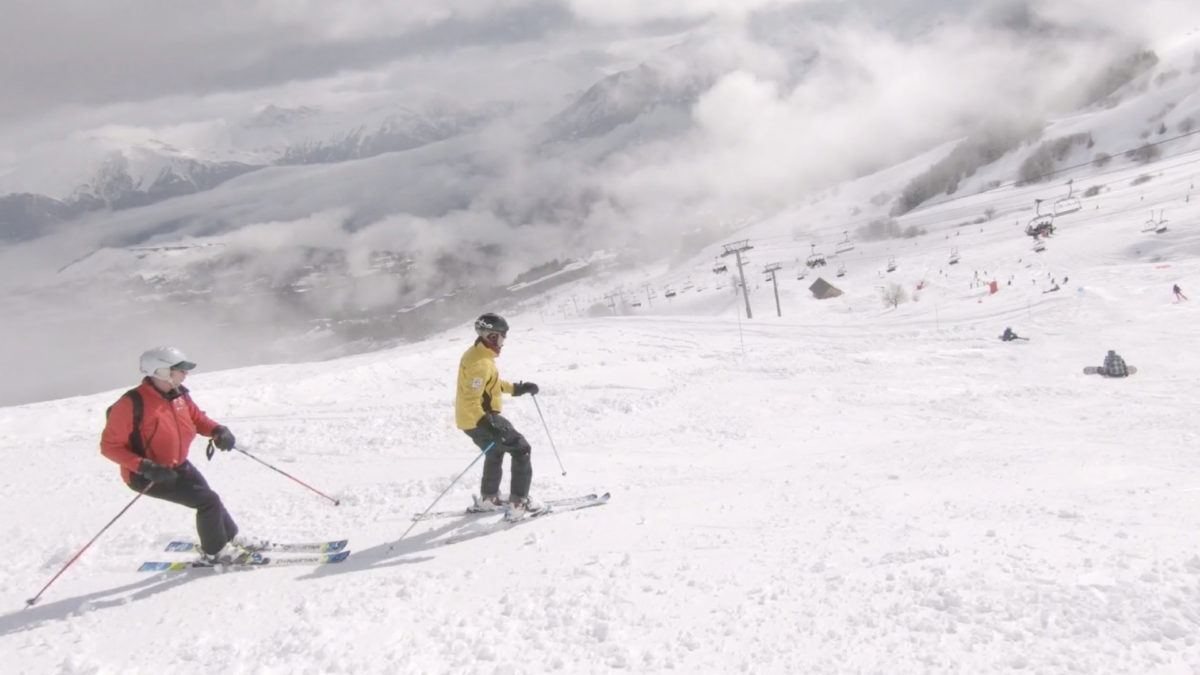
(477, 406)
(1114, 365)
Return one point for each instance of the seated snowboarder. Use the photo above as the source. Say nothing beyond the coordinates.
(1114, 365)
(1009, 335)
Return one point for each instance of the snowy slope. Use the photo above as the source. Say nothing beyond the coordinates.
(845, 489)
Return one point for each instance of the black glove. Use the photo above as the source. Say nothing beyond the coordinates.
(156, 473)
(521, 388)
(223, 438)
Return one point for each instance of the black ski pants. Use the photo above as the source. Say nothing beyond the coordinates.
(213, 523)
(507, 441)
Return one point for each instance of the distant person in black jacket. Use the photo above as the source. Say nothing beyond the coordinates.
(1114, 365)
(1009, 336)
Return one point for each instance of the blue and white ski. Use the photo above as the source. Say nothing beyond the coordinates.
(258, 560)
(332, 546)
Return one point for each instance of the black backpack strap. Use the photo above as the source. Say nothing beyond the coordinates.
(135, 436)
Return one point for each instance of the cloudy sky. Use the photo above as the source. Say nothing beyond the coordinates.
(793, 92)
(59, 53)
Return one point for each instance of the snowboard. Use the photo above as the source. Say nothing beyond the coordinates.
(1097, 370)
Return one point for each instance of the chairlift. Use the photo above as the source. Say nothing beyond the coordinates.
(841, 272)
(1151, 224)
(669, 292)
(720, 268)
(816, 259)
(891, 264)
(801, 274)
(1039, 246)
(1161, 225)
(954, 256)
(1068, 204)
(1041, 224)
(845, 244)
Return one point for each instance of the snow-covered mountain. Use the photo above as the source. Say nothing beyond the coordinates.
(650, 165)
(625, 97)
(123, 168)
(398, 130)
(139, 176)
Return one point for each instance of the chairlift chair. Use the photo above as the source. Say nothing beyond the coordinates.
(801, 274)
(1041, 223)
(1161, 225)
(841, 272)
(1151, 224)
(891, 264)
(720, 268)
(954, 256)
(669, 292)
(845, 244)
(816, 259)
(1068, 204)
(1039, 246)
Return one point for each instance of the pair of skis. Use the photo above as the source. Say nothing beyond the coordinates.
(551, 506)
(310, 553)
(334, 551)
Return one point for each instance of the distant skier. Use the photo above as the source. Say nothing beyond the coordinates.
(1009, 335)
(1178, 293)
(148, 433)
(477, 412)
(1114, 365)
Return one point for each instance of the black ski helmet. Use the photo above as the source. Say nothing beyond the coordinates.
(490, 323)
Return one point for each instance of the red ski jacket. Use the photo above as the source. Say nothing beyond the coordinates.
(170, 423)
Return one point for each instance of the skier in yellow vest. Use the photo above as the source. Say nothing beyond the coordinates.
(477, 409)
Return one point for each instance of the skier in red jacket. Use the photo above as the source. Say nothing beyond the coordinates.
(156, 453)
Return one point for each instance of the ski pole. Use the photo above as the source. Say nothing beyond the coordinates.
(33, 601)
(435, 500)
(336, 502)
(547, 427)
